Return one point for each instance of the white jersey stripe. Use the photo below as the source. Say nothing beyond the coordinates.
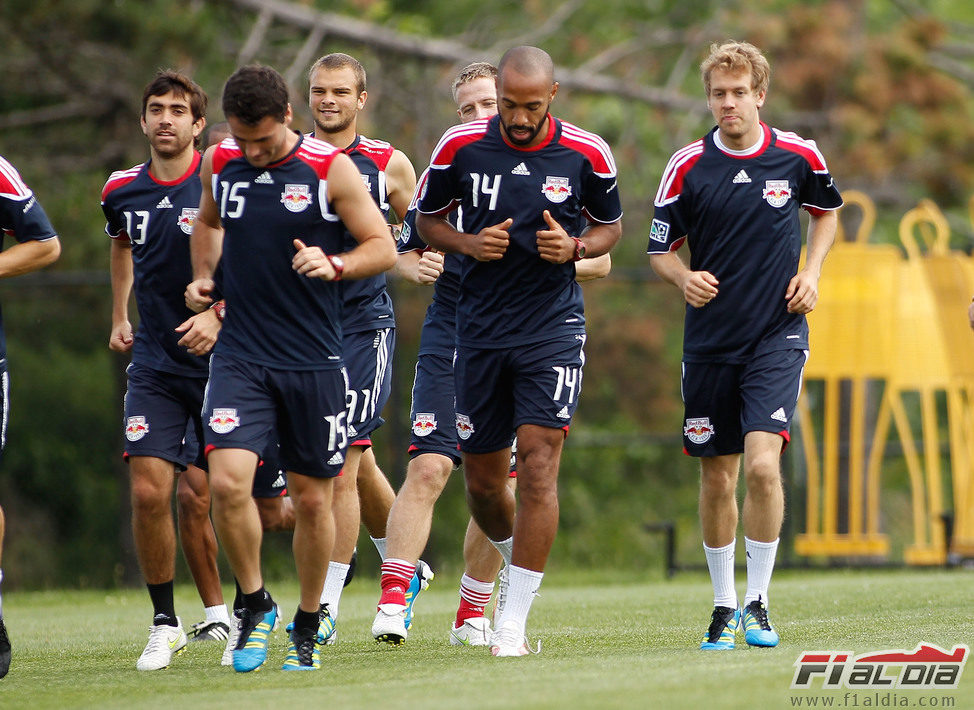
(672, 170)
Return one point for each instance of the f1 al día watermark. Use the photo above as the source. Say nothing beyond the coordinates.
(879, 678)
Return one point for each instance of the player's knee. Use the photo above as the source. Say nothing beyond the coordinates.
(149, 497)
(718, 483)
(191, 504)
(763, 475)
(427, 478)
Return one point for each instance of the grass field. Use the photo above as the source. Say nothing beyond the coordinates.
(608, 641)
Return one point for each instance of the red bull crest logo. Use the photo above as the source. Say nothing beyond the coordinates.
(777, 192)
(224, 421)
(186, 219)
(136, 428)
(296, 198)
(556, 189)
(699, 430)
(464, 426)
(424, 424)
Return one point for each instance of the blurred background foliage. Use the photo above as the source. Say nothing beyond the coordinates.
(883, 87)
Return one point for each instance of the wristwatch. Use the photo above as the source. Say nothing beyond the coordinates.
(220, 308)
(337, 264)
(579, 249)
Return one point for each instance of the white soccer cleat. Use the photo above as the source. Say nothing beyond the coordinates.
(233, 636)
(501, 599)
(390, 624)
(509, 640)
(474, 631)
(164, 642)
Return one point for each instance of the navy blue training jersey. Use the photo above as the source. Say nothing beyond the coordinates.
(439, 333)
(276, 316)
(367, 302)
(738, 213)
(520, 298)
(21, 217)
(156, 218)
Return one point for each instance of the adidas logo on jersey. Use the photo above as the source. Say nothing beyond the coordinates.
(336, 459)
(563, 414)
(521, 169)
(164, 203)
(741, 177)
(264, 179)
(779, 415)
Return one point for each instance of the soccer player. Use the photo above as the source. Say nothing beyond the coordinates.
(149, 210)
(433, 448)
(37, 245)
(733, 196)
(275, 219)
(336, 95)
(537, 194)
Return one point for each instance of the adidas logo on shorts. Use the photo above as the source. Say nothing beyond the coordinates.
(336, 459)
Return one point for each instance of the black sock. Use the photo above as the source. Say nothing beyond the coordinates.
(238, 596)
(306, 621)
(163, 608)
(258, 601)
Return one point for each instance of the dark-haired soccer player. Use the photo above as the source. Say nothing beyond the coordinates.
(537, 194)
(150, 210)
(283, 202)
(733, 196)
(37, 245)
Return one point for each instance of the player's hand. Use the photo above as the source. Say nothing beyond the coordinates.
(700, 288)
(554, 243)
(199, 332)
(197, 295)
(430, 266)
(312, 262)
(121, 338)
(491, 242)
(802, 292)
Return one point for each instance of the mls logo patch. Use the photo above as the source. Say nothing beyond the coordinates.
(186, 219)
(659, 231)
(699, 430)
(464, 426)
(424, 424)
(556, 189)
(368, 183)
(296, 198)
(136, 428)
(224, 421)
(776, 192)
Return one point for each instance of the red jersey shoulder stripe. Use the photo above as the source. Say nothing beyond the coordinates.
(225, 151)
(379, 151)
(671, 184)
(592, 146)
(318, 154)
(454, 139)
(119, 178)
(803, 147)
(11, 184)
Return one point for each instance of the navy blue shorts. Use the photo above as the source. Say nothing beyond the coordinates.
(247, 405)
(368, 364)
(270, 479)
(433, 411)
(723, 402)
(498, 390)
(162, 416)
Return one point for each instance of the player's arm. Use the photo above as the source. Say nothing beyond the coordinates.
(201, 331)
(206, 241)
(802, 291)
(489, 244)
(352, 202)
(24, 257)
(698, 287)
(591, 268)
(400, 183)
(122, 277)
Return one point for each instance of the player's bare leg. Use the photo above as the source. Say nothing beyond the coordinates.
(235, 514)
(718, 520)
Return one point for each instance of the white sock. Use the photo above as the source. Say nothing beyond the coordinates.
(720, 562)
(475, 592)
(331, 593)
(380, 546)
(218, 613)
(760, 565)
(522, 588)
(505, 547)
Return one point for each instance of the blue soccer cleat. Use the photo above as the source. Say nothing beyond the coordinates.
(757, 629)
(419, 582)
(302, 651)
(255, 635)
(723, 627)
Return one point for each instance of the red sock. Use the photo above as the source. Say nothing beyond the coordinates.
(474, 597)
(396, 575)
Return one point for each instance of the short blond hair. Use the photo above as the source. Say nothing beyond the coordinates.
(477, 70)
(734, 57)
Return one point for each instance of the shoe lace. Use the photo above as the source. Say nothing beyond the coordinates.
(158, 639)
(718, 621)
(760, 614)
(248, 622)
(508, 635)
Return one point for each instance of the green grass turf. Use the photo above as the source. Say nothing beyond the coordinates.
(608, 641)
